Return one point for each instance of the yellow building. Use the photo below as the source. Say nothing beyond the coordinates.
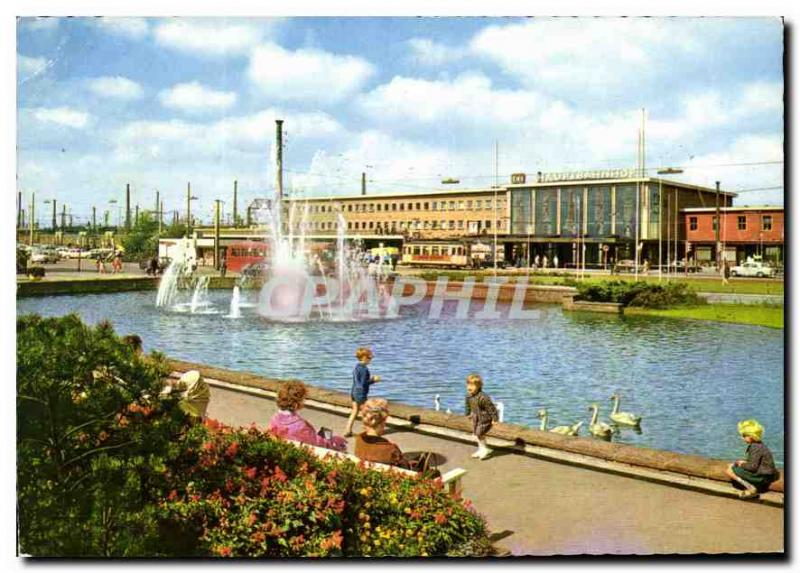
(426, 215)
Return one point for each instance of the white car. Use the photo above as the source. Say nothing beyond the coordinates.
(752, 269)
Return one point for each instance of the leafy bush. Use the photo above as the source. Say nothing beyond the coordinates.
(106, 466)
(243, 493)
(22, 260)
(640, 294)
(36, 272)
(93, 437)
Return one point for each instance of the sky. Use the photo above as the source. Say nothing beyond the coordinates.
(159, 102)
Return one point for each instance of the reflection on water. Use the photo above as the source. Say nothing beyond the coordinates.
(690, 380)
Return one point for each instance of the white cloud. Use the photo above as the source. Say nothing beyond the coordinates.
(194, 98)
(733, 166)
(116, 87)
(307, 75)
(210, 37)
(249, 132)
(430, 53)
(62, 116)
(470, 98)
(28, 67)
(761, 96)
(133, 28)
(579, 53)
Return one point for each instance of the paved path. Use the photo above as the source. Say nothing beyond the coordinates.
(544, 508)
(738, 298)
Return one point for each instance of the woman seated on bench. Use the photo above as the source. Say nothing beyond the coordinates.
(371, 446)
(287, 423)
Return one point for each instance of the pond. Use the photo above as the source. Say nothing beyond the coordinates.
(690, 380)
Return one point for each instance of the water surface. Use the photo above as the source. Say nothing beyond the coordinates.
(691, 380)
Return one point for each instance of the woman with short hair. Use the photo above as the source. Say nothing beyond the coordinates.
(288, 424)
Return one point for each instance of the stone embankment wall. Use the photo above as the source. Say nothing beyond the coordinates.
(85, 286)
(690, 465)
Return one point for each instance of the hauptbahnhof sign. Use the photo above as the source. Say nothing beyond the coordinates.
(588, 175)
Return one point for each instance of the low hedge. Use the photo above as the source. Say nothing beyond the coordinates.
(639, 294)
(106, 466)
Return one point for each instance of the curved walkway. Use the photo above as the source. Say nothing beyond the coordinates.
(536, 507)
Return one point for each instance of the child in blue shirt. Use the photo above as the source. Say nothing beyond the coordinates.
(362, 380)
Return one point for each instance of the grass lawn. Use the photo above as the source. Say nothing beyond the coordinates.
(738, 286)
(760, 315)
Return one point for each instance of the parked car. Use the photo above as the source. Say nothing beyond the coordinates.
(44, 256)
(680, 266)
(752, 269)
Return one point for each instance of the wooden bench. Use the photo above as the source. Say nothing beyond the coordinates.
(451, 479)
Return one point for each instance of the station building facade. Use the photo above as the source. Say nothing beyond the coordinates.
(598, 217)
(594, 218)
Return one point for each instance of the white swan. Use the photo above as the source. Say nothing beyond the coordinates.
(563, 430)
(624, 418)
(599, 429)
(501, 410)
(436, 404)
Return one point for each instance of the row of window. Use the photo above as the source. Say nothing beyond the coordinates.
(475, 226)
(471, 204)
(741, 223)
(433, 250)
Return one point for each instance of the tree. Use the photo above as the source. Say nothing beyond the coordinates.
(93, 439)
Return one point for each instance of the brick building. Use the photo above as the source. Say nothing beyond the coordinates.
(744, 232)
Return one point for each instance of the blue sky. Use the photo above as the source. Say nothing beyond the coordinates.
(158, 102)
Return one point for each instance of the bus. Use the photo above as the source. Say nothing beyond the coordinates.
(243, 253)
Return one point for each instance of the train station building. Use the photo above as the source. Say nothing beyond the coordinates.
(588, 218)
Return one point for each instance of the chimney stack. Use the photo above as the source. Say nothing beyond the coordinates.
(127, 205)
(235, 207)
(279, 158)
(363, 183)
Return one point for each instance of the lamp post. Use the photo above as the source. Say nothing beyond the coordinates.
(217, 203)
(53, 201)
(112, 202)
(189, 199)
(666, 171)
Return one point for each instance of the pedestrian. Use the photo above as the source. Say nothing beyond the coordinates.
(223, 266)
(758, 471)
(481, 410)
(101, 264)
(394, 261)
(555, 261)
(288, 424)
(726, 272)
(544, 262)
(362, 380)
(646, 267)
(194, 393)
(536, 261)
(116, 264)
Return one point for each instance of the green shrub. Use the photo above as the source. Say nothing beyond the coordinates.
(93, 437)
(666, 296)
(36, 272)
(22, 260)
(641, 294)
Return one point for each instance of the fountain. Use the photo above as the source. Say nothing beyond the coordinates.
(295, 286)
(235, 312)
